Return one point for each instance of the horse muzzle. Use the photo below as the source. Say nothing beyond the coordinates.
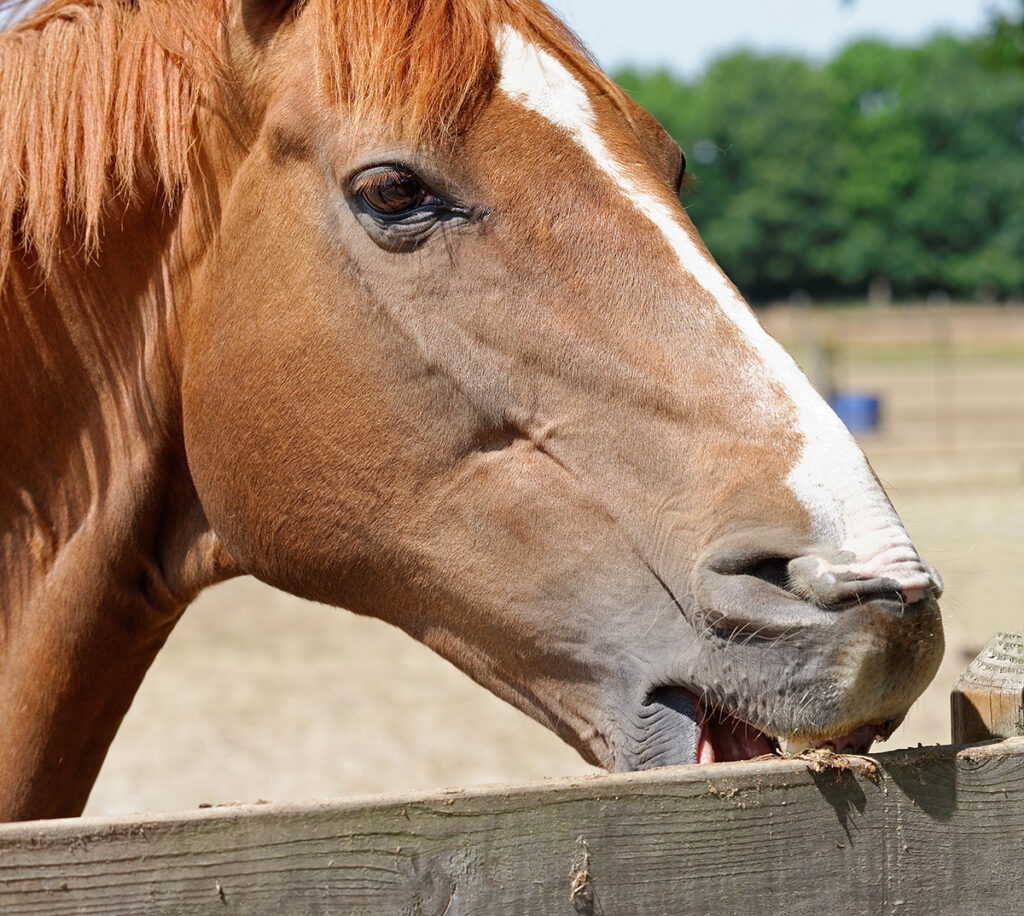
(786, 657)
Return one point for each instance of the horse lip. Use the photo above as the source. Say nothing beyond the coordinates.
(669, 730)
(726, 737)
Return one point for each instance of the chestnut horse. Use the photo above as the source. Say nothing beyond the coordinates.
(392, 304)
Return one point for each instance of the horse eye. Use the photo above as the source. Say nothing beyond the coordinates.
(392, 191)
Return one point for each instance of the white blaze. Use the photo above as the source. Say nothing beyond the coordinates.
(831, 478)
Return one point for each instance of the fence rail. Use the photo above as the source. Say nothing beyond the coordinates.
(933, 830)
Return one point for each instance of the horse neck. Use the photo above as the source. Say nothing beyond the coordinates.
(82, 405)
(102, 539)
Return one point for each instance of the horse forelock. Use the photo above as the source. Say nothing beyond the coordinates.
(422, 68)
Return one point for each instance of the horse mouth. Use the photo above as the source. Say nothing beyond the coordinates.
(722, 736)
(725, 737)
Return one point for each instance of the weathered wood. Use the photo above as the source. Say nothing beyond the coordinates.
(988, 698)
(937, 830)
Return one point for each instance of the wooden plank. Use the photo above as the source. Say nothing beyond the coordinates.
(988, 698)
(936, 830)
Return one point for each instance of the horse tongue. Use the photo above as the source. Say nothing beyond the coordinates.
(705, 749)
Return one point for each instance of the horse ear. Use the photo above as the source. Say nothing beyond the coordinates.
(666, 156)
(683, 180)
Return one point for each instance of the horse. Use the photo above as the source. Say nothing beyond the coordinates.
(393, 305)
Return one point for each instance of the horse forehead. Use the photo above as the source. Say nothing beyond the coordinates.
(535, 80)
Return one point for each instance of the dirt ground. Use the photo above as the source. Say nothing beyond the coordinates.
(259, 695)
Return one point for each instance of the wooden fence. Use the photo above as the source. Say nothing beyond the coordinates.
(931, 830)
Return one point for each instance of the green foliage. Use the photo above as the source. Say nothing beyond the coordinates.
(1004, 46)
(893, 163)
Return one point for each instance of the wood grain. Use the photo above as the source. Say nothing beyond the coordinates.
(987, 701)
(936, 830)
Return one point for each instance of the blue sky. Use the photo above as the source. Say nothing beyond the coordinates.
(685, 35)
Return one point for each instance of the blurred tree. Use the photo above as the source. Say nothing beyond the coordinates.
(903, 165)
(1004, 45)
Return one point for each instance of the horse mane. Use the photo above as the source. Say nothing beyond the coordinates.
(96, 97)
(99, 97)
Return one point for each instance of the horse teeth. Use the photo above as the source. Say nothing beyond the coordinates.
(795, 746)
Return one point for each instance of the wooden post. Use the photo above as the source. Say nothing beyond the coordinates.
(988, 698)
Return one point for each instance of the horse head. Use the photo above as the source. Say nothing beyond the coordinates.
(493, 389)
(400, 312)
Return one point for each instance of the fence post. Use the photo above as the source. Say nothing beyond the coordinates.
(988, 698)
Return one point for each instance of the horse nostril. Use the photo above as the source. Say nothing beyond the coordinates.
(773, 570)
(931, 591)
(935, 586)
(766, 567)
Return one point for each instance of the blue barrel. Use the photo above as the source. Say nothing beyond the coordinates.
(859, 410)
